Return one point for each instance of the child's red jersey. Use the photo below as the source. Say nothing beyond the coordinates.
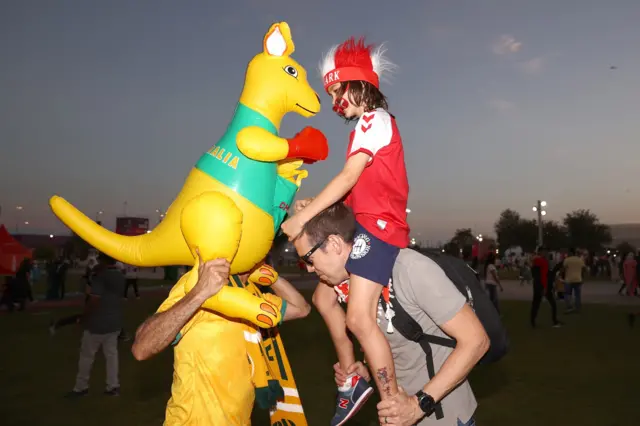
(379, 198)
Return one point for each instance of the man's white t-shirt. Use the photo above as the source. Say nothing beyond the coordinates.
(131, 272)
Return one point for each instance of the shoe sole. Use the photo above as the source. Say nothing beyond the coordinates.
(357, 406)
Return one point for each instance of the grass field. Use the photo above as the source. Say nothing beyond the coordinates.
(583, 374)
(513, 274)
(75, 282)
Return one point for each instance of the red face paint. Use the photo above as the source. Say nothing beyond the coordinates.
(340, 105)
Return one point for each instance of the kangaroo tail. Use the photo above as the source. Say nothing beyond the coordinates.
(162, 247)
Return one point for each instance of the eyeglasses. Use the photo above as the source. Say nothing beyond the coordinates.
(307, 257)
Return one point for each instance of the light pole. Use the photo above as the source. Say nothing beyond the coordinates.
(99, 213)
(539, 208)
(18, 218)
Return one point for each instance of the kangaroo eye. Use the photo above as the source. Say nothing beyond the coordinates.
(291, 71)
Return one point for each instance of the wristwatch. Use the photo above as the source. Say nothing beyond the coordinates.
(426, 402)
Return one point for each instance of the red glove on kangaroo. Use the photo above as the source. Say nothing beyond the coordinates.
(310, 145)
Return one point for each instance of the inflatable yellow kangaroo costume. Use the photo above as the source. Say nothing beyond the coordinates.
(231, 205)
(233, 201)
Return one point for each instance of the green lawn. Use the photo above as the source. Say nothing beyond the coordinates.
(514, 274)
(75, 283)
(583, 374)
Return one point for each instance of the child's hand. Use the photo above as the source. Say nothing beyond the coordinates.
(292, 227)
(356, 368)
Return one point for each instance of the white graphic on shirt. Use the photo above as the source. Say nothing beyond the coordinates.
(361, 246)
(373, 132)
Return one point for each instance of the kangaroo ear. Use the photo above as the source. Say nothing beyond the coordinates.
(277, 41)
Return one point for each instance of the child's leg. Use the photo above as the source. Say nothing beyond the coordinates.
(370, 266)
(361, 320)
(355, 390)
(326, 301)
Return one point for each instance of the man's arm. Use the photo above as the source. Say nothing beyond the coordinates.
(472, 344)
(297, 306)
(157, 332)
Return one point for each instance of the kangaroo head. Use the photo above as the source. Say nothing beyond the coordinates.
(275, 83)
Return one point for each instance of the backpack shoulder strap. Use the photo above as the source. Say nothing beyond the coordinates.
(411, 330)
(404, 323)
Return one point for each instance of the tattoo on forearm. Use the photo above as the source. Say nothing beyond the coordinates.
(383, 375)
(385, 380)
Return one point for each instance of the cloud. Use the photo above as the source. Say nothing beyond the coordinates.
(501, 105)
(506, 44)
(533, 66)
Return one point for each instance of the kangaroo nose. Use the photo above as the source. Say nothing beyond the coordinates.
(319, 101)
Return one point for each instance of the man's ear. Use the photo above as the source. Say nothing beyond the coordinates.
(337, 243)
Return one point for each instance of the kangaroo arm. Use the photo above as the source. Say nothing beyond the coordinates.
(260, 145)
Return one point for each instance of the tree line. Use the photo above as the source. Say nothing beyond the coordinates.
(579, 228)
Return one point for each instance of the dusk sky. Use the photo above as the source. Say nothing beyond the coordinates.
(499, 102)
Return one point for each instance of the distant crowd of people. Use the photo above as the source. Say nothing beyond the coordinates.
(17, 289)
(557, 276)
(57, 278)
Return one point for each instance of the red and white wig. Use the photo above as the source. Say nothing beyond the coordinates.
(355, 60)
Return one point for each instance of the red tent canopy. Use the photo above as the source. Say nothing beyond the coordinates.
(11, 252)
